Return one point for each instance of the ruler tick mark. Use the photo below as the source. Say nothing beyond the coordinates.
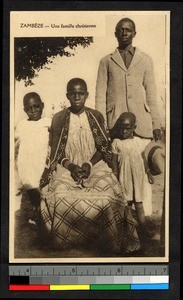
(99, 270)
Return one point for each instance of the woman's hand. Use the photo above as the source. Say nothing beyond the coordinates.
(85, 169)
(76, 172)
(44, 191)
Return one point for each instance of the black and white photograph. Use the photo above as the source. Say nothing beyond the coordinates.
(89, 136)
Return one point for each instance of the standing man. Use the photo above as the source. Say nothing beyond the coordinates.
(126, 82)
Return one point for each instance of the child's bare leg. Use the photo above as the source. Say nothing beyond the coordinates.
(140, 212)
(130, 203)
(35, 199)
(142, 220)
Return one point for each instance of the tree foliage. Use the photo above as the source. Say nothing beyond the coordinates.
(34, 54)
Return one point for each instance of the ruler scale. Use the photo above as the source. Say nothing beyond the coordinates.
(89, 277)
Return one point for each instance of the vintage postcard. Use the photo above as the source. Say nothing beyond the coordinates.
(76, 76)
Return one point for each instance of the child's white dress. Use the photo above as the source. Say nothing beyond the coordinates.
(33, 138)
(132, 176)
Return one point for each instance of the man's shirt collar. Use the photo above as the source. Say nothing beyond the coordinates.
(129, 48)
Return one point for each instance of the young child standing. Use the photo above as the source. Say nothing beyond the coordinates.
(31, 135)
(133, 170)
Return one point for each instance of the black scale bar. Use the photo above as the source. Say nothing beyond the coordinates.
(18, 279)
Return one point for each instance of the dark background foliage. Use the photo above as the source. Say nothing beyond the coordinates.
(34, 54)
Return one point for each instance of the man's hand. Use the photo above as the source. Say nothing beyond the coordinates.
(150, 177)
(156, 134)
(86, 169)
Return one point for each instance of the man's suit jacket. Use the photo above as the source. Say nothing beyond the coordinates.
(119, 89)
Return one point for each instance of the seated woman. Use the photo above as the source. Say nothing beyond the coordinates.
(82, 202)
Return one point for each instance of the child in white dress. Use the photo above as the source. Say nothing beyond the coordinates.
(31, 135)
(133, 171)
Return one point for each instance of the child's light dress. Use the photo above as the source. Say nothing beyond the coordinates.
(132, 176)
(32, 137)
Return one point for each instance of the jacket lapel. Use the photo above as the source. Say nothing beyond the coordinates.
(116, 57)
(136, 58)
